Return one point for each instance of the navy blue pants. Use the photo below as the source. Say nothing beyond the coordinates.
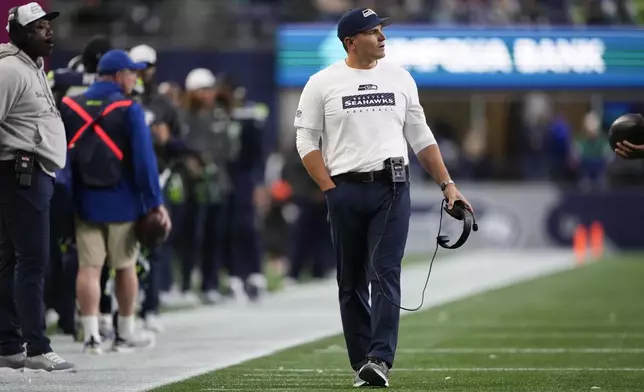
(60, 288)
(164, 264)
(67, 310)
(243, 249)
(151, 284)
(166, 254)
(167, 251)
(24, 255)
(357, 213)
(205, 241)
(60, 283)
(311, 240)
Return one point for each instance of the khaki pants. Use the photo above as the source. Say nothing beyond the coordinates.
(115, 243)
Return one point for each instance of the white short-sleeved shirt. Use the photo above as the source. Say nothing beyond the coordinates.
(364, 116)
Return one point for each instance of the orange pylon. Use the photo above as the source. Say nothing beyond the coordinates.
(597, 239)
(281, 190)
(580, 244)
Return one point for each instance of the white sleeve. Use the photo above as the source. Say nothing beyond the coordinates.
(310, 110)
(416, 130)
(307, 140)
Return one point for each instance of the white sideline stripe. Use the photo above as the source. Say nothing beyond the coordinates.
(503, 350)
(210, 338)
(510, 325)
(409, 370)
(541, 335)
(557, 335)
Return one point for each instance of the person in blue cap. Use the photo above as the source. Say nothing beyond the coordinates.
(70, 81)
(366, 112)
(115, 182)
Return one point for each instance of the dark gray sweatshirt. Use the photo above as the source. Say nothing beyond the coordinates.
(209, 134)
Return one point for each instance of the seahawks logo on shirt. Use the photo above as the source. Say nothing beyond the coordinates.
(368, 100)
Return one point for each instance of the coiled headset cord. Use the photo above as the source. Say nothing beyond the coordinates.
(431, 263)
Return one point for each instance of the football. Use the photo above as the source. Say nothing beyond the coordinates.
(628, 127)
(149, 230)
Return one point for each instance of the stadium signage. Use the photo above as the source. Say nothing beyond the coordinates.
(480, 58)
(490, 55)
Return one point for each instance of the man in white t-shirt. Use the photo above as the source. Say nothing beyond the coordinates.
(366, 111)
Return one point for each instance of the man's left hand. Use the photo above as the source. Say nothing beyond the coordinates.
(452, 194)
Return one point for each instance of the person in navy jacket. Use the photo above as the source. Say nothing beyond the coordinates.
(114, 183)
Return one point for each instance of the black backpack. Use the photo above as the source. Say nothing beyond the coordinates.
(95, 154)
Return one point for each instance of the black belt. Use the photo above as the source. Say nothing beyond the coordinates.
(373, 176)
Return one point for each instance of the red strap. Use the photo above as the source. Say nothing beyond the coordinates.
(97, 128)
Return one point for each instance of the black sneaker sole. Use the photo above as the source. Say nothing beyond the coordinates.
(373, 377)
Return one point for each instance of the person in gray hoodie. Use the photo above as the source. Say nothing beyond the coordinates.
(32, 149)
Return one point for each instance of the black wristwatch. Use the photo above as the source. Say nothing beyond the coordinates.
(444, 184)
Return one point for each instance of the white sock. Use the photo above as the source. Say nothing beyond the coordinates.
(90, 327)
(126, 326)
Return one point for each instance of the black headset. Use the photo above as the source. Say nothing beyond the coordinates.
(13, 18)
(17, 32)
(459, 212)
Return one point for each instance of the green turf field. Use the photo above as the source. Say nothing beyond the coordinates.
(580, 330)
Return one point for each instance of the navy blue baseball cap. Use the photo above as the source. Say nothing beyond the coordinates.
(117, 60)
(358, 20)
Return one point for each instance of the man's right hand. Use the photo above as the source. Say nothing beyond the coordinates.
(328, 187)
(314, 165)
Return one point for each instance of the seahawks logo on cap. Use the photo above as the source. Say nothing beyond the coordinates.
(368, 12)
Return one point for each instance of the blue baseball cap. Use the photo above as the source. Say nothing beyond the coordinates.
(117, 60)
(358, 20)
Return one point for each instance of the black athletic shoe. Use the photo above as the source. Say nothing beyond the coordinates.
(375, 372)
